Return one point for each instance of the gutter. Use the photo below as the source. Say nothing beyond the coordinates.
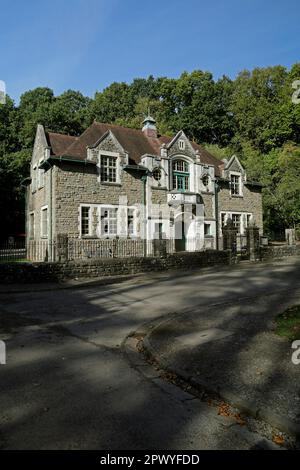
(66, 159)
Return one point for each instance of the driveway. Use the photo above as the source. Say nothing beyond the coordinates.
(67, 383)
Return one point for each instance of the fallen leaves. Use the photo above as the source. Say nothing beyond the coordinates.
(278, 439)
(225, 410)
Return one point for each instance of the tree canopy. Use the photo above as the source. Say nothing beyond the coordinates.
(252, 116)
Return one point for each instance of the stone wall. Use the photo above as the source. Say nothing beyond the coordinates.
(45, 272)
(251, 201)
(75, 185)
(277, 252)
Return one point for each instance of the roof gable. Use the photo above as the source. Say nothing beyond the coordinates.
(234, 165)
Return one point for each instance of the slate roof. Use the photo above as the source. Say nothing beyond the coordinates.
(134, 141)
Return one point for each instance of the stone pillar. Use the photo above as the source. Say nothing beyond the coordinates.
(159, 247)
(290, 236)
(229, 236)
(62, 247)
(253, 248)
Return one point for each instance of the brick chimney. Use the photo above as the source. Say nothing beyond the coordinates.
(149, 127)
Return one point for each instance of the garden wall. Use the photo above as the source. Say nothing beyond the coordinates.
(58, 271)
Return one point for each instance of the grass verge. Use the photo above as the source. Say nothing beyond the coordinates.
(288, 323)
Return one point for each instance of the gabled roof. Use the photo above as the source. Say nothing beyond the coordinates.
(134, 141)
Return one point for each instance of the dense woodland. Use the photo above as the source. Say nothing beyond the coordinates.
(252, 116)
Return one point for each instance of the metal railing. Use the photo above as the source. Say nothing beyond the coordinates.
(15, 251)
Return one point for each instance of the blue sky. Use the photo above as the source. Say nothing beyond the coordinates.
(87, 44)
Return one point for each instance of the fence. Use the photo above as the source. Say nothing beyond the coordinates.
(12, 251)
(71, 249)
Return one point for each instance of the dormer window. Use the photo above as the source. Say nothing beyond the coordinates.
(235, 185)
(108, 169)
(181, 144)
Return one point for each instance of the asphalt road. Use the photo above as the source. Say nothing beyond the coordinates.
(67, 383)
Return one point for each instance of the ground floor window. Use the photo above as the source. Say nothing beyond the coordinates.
(31, 225)
(236, 221)
(130, 222)
(44, 222)
(109, 221)
(207, 229)
(85, 221)
(240, 220)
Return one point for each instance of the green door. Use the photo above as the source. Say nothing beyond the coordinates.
(180, 240)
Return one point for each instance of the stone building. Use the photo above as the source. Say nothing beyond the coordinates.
(116, 182)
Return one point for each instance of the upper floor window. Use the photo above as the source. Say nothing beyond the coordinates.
(157, 174)
(205, 180)
(33, 179)
(108, 169)
(235, 185)
(181, 175)
(41, 177)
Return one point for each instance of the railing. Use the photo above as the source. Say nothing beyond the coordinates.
(15, 251)
(73, 249)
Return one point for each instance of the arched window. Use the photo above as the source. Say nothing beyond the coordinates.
(181, 175)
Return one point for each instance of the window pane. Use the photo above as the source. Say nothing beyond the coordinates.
(44, 224)
(108, 169)
(85, 220)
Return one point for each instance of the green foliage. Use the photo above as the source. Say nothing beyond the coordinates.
(288, 323)
(252, 116)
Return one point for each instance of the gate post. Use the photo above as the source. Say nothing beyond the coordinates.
(230, 237)
(253, 248)
(62, 247)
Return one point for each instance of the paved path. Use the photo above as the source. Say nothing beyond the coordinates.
(68, 384)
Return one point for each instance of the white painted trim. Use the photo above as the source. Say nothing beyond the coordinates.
(43, 208)
(228, 215)
(236, 173)
(116, 155)
(80, 220)
(29, 225)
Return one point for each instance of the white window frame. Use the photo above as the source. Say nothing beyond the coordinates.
(43, 235)
(31, 227)
(240, 193)
(134, 234)
(229, 214)
(89, 220)
(41, 176)
(108, 207)
(181, 144)
(116, 156)
(34, 179)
